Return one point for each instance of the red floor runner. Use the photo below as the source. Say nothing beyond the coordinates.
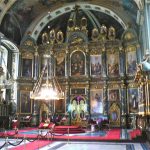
(32, 145)
(113, 134)
(135, 133)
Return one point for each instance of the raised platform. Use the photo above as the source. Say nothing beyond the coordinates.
(68, 129)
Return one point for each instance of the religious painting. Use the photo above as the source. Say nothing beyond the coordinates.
(96, 65)
(114, 114)
(113, 64)
(133, 100)
(60, 66)
(114, 95)
(96, 100)
(27, 67)
(77, 63)
(25, 102)
(60, 106)
(131, 62)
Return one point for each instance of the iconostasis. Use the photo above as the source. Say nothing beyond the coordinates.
(96, 75)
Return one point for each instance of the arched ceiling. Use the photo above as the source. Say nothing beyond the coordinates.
(18, 17)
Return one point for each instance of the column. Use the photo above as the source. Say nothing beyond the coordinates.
(105, 99)
(68, 106)
(122, 62)
(123, 105)
(87, 69)
(147, 23)
(67, 64)
(67, 90)
(88, 100)
(19, 66)
(138, 53)
(36, 63)
(104, 68)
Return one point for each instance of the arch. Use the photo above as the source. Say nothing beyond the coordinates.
(12, 51)
(68, 8)
(9, 4)
(9, 45)
(5, 8)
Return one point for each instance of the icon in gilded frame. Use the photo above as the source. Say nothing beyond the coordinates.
(96, 65)
(96, 100)
(25, 102)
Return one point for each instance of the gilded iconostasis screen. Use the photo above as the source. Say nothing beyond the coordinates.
(96, 65)
(96, 100)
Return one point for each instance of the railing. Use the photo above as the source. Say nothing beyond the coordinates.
(6, 135)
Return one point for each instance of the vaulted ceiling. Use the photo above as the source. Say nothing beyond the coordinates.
(20, 17)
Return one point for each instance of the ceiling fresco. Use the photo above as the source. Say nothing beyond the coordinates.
(25, 12)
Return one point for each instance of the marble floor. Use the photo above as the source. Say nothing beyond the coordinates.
(95, 146)
(72, 145)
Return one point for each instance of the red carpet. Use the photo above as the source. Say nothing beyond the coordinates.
(136, 132)
(32, 145)
(112, 134)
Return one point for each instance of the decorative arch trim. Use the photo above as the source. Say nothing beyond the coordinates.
(63, 10)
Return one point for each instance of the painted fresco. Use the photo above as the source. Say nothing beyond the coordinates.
(18, 18)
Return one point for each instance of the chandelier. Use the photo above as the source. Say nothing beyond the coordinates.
(47, 88)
